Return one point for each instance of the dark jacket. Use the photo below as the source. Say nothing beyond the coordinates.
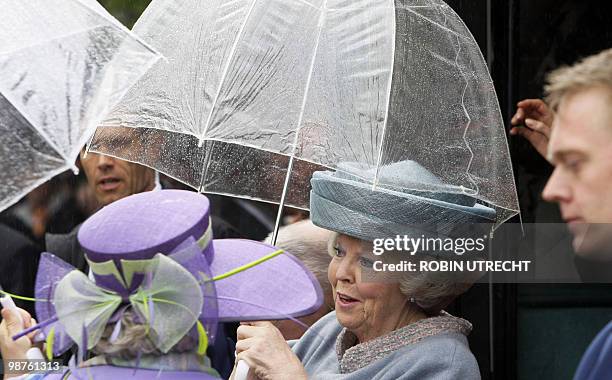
(596, 363)
(18, 263)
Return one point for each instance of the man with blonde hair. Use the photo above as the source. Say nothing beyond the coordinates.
(579, 145)
(580, 149)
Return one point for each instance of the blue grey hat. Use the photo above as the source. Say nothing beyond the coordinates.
(409, 200)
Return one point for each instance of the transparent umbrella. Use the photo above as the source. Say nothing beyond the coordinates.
(63, 65)
(257, 94)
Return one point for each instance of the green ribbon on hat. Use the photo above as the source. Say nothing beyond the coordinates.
(170, 305)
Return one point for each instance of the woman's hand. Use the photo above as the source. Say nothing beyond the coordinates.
(11, 325)
(266, 352)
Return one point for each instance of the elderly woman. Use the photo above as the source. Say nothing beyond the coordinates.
(384, 326)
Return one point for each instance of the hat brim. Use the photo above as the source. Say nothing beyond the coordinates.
(278, 288)
(115, 372)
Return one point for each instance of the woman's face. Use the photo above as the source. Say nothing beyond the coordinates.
(369, 309)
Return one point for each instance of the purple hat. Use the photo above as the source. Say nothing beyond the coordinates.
(155, 251)
(142, 225)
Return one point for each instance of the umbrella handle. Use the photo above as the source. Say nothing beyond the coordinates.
(7, 303)
(34, 353)
(242, 370)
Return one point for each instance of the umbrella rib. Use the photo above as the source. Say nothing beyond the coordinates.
(43, 135)
(388, 92)
(4, 204)
(299, 121)
(60, 37)
(308, 3)
(103, 13)
(409, 9)
(225, 71)
(46, 156)
(468, 123)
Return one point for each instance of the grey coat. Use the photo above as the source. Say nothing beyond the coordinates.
(434, 348)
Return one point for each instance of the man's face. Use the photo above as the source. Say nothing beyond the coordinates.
(580, 147)
(113, 179)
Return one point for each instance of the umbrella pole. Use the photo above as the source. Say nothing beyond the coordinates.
(282, 201)
(276, 224)
(299, 121)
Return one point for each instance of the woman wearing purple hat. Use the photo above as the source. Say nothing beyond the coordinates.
(160, 285)
(385, 325)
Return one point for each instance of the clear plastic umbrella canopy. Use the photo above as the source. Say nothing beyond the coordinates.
(257, 94)
(63, 65)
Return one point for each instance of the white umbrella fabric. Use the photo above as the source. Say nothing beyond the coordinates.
(257, 94)
(63, 65)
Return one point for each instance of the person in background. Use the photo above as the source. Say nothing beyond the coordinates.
(53, 207)
(573, 129)
(308, 243)
(110, 179)
(18, 263)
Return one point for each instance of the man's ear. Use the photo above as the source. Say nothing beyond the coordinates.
(78, 163)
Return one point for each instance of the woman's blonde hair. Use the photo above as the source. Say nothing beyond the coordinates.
(134, 340)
